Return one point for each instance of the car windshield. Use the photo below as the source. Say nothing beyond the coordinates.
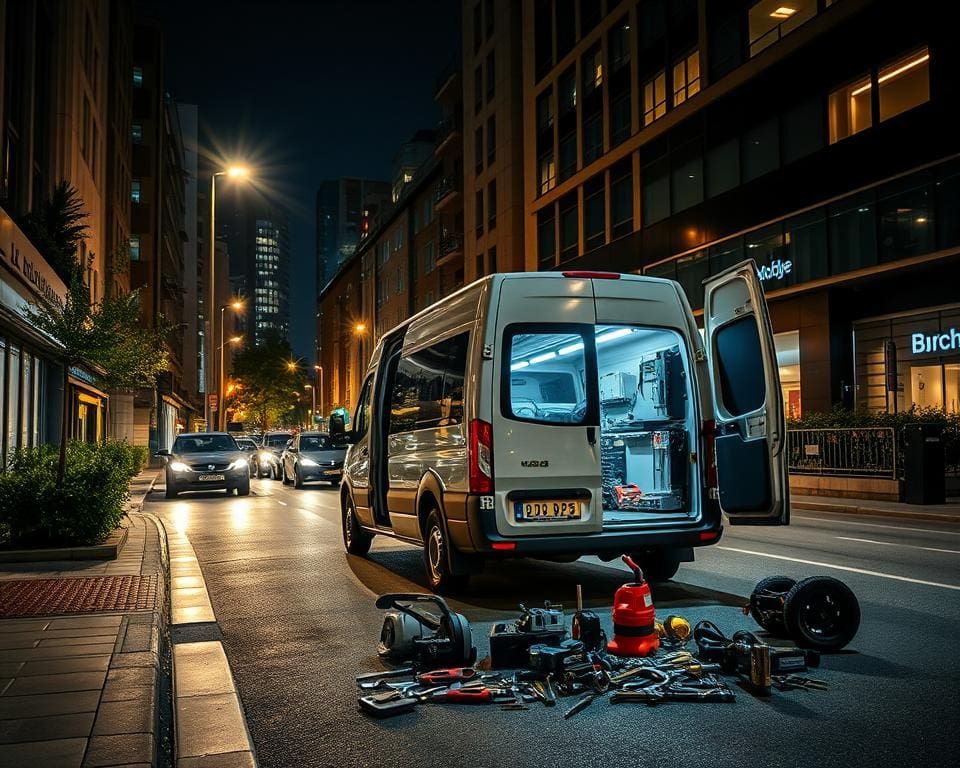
(276, 441)
(247, 445)
(204, 444)
(315, 443)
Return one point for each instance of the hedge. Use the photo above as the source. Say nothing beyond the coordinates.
(33, 512)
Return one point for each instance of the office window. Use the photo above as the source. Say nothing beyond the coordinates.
(134, 247)
(620, 118)
(723, 167)
(568, 155)
(429, 258)
(852, 231)
(802, 130)
(478, 211)
(906, 216)
(547, 173)
(590, 13)
(567, 91)
(491, 75)
(566, 26)
(546, 239)
(490, 9)
(805, 237)
(491, 139)
(621, 198)
(481, 269)
(478, 89)
(592, 138)
(543, 36)
(592, 68)
(545, 111)
(492, 205)
(904, 84)
(655, 178)
(686, 78)
(769, 20)
(686, 187)
(492, 259)
(619, 44)
(848, 109)
(477, 27)
(569, 227)
(135, 191)
(594, 213)
(136, 132)
(760, 149)
(478, 148)
(138, 77)
(692, 270)
(724, 51)
(655, 98)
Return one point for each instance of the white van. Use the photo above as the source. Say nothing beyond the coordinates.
(555, 415)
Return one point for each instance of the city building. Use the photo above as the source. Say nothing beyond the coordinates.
(344, 208)
(195, 240)
(678, 138)
(412, 154)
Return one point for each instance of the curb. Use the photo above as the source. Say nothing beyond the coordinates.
(164, 720)
(853, 509)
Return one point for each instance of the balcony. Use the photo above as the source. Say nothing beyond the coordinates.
(451, 247)
(449, 133)
(448, 82)
(448, 191)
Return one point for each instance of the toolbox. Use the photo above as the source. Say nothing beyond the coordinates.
(510, 647)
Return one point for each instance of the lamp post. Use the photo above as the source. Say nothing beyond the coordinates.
(234, 172)
(313, 395)
(319, 370)
(221, 414)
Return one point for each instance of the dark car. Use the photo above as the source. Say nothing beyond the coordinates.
(206, 461)
(268, 457)
(249, 446)
(312, 456)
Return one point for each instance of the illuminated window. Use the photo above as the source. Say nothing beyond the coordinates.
(686, 78)
(135, 191)
(654, 98)
(849, 109)
(138, 77)
(592, 71)
(136, 131)
(769, 20)
(547, 173)
(904, 84)
(134, 247)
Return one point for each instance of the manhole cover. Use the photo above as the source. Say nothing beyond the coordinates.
(50, 597)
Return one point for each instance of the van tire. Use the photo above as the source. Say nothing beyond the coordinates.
(436, 558)
(658, 564)
(356, 541)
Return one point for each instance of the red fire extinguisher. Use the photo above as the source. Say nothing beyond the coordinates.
(633, 617)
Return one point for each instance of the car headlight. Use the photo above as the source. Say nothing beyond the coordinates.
(179, 466)
(238, 464)
(308, 462)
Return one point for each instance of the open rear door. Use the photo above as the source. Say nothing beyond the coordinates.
(747, 400)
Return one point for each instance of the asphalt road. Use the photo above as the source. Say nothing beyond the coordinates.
(299, 622)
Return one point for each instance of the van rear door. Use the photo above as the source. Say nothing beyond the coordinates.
(747, 400)
(546, 458)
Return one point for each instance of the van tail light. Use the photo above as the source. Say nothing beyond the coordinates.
(481, 457)
(710, 451)
(591, 275)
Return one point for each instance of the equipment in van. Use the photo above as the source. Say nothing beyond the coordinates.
(423, 637)
(633, 617)
(819, 612)
(510, 642)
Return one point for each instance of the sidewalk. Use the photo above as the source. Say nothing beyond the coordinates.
(944, 513)
(84, 655)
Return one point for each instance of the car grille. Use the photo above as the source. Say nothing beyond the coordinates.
(217, 466)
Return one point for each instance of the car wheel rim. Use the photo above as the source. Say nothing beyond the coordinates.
(820, 617)
(348, 525)
(435, 552)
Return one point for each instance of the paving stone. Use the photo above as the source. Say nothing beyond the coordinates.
(123, 692)
(23, 625)
(42, 728)
(62, 683)
(119, 749)
(4, 684)
(80, 622)
(63, 753)
(18, 640)
(10, 668)
(59, 666)
(125, 717)
(208, 725)
(45, 705)
(58, 652)
(133, 676)
(201, 669)
(55, 642)
(138, 637)
(223, 760)
(140, 659)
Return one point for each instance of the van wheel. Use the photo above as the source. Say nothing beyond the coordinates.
(436, 559)
(658, 564)
(355, 540)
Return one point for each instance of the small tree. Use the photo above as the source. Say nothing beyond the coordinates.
(266, 385)
(58, 228)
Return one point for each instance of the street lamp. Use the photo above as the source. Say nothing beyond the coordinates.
(313, 394)
(237, 305)
(234, 172)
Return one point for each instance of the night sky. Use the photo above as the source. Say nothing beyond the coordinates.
(307, 91)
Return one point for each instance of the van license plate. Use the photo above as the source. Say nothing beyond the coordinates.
(203, 478)
(553, 509)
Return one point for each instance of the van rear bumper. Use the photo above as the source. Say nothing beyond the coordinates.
(476, 533)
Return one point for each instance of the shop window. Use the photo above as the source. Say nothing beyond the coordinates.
(906, 219)
(568, 155)
(567, 91)
(621, 198)
(766, 247)
(654, 98)
(760, 150)
(723, 167)
(14, 376)
(547, 173)
(926, 386)
(686, 78)
(770, 20)
(787, 346)
(546, 239)
(592, 138)
(620, 118)
(686, 187)
(852, 232)
(569, 227)
(802, 130)
(849, 109)
(594, 213)
(904, 84)
(655, 199)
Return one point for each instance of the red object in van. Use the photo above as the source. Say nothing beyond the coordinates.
(633, 617)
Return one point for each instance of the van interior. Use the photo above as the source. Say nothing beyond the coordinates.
(644, 405)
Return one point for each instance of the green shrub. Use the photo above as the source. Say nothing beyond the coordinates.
(131, 457)
(33, 512)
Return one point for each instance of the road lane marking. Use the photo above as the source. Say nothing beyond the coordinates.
(875, 525)
(843, 568)
(282, 503)
(895, 544)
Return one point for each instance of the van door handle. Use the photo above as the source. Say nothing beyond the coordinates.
(592, 435)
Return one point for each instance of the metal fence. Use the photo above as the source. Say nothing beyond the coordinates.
(852, 452)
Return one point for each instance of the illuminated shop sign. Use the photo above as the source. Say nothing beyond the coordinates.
(775, 270)
(948, 341)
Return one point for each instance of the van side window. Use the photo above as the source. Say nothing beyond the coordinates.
(428, 387)
(361, 419)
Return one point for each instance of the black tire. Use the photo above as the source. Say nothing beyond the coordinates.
(658, 564)
(283, 475)
(773, 623)
(244, 489)
(356, 541)
(297, 480)
(171, 492)
(436, 561)
(821, 612)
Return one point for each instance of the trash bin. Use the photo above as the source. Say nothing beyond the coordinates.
(923, 464)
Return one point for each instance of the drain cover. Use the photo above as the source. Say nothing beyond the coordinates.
(51, 597)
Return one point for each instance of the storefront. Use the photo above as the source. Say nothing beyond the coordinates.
(88, 406)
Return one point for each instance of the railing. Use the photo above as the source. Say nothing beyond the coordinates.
(451, 242)
(450, 125)
(447, 186)
(848, 452)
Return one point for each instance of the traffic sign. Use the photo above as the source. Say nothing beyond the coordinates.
(212, 401)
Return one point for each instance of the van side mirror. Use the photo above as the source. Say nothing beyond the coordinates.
(162, 452)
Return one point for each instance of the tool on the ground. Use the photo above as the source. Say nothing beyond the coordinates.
(452, 675)
(421, 636)
(399, 672)
(579, 705)
(733, 654)
(547, 658)
(510, 641)
(793, 682)
(633, 617)
(657, 695)
(544, 691)
(586, 626)
(820, 612)
(387, 704)
(456, 694)
(674, 630)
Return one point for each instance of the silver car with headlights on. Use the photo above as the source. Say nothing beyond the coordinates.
(206, 461)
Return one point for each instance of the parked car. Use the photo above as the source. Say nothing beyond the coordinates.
(249, 446)
(268, 455)
(312, 456)
(556, 415)
(206, 461)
